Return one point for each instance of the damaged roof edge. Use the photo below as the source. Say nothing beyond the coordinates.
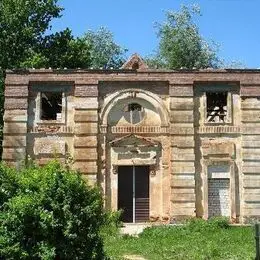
(119, 71)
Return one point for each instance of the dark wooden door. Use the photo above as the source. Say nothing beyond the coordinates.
(133, 193)
(141, 193)
(125, 192)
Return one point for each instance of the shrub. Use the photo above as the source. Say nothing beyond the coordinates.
(198, 224)
(113, 218)
(49, 213)
(220, 222)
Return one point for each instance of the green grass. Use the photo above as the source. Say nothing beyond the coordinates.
(196, 240)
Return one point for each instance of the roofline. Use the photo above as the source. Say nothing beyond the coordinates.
(119, 71)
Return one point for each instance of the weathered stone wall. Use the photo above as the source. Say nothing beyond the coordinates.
(15, 122)
(182, 151)
(175, 112)
(250, 108)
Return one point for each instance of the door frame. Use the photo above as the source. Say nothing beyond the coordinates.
(232, 183)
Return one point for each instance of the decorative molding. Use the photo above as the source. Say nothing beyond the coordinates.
(52, 128)
(135, 129)
(218, 130)
(125, 94)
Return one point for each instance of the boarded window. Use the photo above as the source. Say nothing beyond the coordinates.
(216, 107)
(51, 105)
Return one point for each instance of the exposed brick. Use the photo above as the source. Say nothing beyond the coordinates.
(16, 103)
(250, 91)
(86, 91)
(16, 91)
(85, 154)
(85, 141)
(15, 115)
(181, 91)
(17, 154)
(14, 141)
(15, 128)
(86, 128)
(86, 116)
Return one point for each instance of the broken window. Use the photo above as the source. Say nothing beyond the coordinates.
(135, 66)
(216, 107)
(51, 105)
(134, 113)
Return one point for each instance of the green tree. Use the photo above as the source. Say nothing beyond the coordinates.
(49, 213)
(22, 26)
(181, 44)
(59, 50)
(105, 53)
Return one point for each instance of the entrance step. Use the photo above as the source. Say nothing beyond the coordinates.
(134, 229)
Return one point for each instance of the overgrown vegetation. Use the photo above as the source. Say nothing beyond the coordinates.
(196, 240)
(49, 213)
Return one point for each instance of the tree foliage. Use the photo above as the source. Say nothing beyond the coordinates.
(49, 213)
(181, 44)
(22, 26)
(24, 42)
(59, 50)
(105, 53)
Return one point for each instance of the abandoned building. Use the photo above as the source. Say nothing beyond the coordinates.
(163, 145)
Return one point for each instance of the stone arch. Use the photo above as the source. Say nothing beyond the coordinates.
(153, 99)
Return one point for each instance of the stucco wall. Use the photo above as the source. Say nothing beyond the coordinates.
(174, 106)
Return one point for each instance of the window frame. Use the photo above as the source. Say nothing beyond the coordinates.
(213, 87)
(229, 107)
(130, 112)
(38, 112)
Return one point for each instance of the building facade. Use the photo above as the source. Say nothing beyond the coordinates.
(163, 145)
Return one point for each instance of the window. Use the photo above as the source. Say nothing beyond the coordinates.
(134, 113)
(51, 106)
(135, 66)
(216, 107)
(51, 102)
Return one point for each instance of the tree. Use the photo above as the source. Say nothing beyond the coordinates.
(181, 44)
(22, 26)
(49, 213)
(105, 53)
(59, 50)
(24, 43)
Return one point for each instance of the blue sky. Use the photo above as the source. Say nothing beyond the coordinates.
(234, 24)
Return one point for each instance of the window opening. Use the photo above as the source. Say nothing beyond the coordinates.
(51, 105)
(216, 107)
(134, 113)
(135, 66)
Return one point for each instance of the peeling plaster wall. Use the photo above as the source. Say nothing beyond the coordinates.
(174, 104)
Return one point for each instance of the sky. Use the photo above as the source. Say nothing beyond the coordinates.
(233, 24)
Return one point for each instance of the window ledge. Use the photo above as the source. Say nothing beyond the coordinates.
(218, 129)
(50, 122)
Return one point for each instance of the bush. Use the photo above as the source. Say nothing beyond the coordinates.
(49, 213)
(198, 224)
